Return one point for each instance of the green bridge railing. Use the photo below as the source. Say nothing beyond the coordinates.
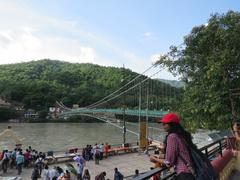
(149, 113)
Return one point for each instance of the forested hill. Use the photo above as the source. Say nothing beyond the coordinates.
(173, 83)
(38, 84)
(41, 83)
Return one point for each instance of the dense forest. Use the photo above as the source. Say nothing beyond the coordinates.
(39, 84)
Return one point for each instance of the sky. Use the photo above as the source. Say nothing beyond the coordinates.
(129, 33)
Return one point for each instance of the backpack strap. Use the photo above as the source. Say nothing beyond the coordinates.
(189, 166)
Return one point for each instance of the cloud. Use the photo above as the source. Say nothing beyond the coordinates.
(24, 44)
(28, 35)
(4, 40)
(147, 34)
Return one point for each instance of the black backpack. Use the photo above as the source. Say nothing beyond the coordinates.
(203, 169)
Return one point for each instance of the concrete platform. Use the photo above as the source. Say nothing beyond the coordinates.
(126, 164)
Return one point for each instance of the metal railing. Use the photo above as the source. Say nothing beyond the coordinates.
(212, 150)
(133, 112)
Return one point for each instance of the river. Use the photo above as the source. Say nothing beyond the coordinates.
(62, 136)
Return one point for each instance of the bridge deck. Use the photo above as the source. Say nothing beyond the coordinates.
(132, 112)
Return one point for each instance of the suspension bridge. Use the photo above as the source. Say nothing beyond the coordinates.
(144, 97)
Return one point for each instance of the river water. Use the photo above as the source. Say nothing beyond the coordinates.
(62, 136)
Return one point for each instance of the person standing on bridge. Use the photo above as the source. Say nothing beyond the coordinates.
(176, 150)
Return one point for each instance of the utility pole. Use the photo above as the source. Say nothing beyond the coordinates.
(124, 120)
(139, 115)
(147, 116)
(124, 128)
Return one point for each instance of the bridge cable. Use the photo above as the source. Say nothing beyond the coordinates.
(92, 105)
(128, 89)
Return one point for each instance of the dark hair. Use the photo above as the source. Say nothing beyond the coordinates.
(181, 132)
(59, 170)
(234, 122)
(86, 172)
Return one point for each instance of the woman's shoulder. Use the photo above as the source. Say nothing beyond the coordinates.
(173, 138)
(173, 135)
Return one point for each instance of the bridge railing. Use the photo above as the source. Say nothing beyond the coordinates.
(212, 150)
(134, 112)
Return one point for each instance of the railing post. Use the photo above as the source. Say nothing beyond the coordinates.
(220, 148)
(206, 152)
(124, 128)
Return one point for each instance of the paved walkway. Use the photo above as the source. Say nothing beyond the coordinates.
(126, 164)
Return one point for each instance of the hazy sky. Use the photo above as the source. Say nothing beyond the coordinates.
(104, 32)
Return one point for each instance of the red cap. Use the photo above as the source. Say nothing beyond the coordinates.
(170, 117)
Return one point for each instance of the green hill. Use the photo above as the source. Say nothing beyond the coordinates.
(174, 83)
(38, 84)
(41, 83)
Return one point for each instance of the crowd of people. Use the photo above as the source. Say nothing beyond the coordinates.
(31, 158)
(19, 159)
(96, 152)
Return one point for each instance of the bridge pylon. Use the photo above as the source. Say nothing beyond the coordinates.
(143, 142)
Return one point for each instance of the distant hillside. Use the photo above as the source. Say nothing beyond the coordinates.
(38, 84)
(173, 83)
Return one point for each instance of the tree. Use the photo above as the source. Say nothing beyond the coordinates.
(7, 113)
(208, 62)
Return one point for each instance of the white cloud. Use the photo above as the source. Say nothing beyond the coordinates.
(147, 34)
(23, 38)
(24, 45)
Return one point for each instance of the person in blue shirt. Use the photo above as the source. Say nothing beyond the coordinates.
(117, 174)
(80, 167)
(19, 162)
